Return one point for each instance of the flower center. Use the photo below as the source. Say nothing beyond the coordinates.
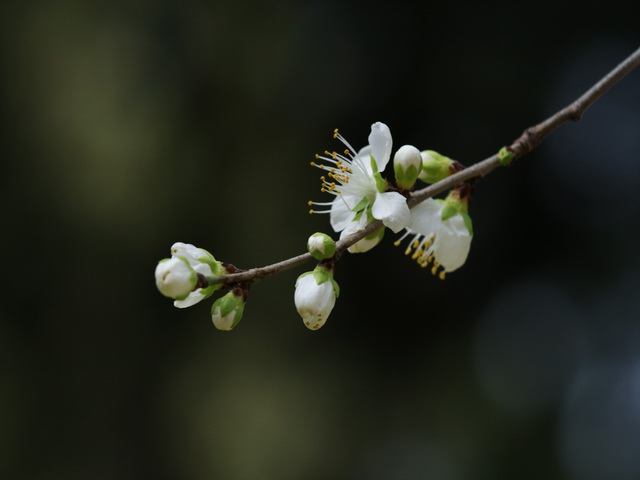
(346, 174)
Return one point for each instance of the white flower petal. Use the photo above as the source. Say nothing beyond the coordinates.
(314, 302)
(425, 217)
(381, 144)
(341, 214)
(363, 245)
(452, 243)
(175, 278)
(192, 299)
(391, 208)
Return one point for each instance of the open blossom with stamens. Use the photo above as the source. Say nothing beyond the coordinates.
(359, 189)
(441, 234)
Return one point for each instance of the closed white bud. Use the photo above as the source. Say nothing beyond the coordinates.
(407, 164)
(175, 278)
(315, 296)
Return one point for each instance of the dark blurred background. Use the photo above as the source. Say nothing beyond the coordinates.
(129, 125)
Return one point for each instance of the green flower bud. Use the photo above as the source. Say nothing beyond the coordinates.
(321, 246)
(226, 311)
(435, 167)
(407, 164)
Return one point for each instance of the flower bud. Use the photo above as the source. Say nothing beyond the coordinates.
(407, 164)
(175, 278)
(226, 311)
(201, 263)
(321, 246)
(435, 167)
(315, 296)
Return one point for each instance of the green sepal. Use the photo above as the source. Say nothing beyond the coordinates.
(216, 266)
(467, 222)
(208, 291)
(447, 212)
(505, 156)
(374, 164)
(406, 178)
(336, 287)
(362, 204)
(322, 275)
(376, 233)
(381, 183)
(229, 303)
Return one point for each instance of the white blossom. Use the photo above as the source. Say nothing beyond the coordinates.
(442, 235)
(201, 262)
(355, 180)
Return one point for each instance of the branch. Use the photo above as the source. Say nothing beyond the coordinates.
(528, 141)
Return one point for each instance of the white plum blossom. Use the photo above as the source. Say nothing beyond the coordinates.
(315, 296)
(202, 262)
(442, 234)
(175, 278)
(359, 189)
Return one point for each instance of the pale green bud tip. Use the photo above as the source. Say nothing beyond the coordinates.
(407, 164)
(321, 245)
(435, 167)
(226, 311)
(175, 278)
(315, 297)
(505, 156)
